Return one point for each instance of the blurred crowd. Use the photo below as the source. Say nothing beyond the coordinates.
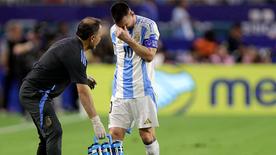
(89, 2)
(22, 42)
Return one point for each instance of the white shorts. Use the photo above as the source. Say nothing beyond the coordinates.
(126, 113)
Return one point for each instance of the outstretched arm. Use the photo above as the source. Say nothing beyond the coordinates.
(88, 104)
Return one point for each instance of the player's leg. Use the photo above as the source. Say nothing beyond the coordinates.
(147, 121)
(117, 133)
(120, 118)
(149, 139)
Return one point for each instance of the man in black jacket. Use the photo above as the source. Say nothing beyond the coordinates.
(62, 64)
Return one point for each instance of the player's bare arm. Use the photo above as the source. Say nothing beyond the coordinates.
(144, 52)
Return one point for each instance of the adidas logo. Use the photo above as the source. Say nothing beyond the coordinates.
(148, 121)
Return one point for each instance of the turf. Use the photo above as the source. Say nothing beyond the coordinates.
(181, 135)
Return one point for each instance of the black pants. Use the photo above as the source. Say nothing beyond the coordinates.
(39, 105)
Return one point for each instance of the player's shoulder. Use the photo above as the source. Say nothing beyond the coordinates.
(112, 34)
(144, 21)
(113, 28)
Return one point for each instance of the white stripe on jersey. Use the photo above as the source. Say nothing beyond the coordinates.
(133, 75)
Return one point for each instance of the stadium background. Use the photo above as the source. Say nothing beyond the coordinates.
(215, 78)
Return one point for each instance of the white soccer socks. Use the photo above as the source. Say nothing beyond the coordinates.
(153, 148)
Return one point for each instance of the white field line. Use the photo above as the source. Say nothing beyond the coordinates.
(29, 125)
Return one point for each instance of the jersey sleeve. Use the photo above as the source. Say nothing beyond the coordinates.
(151, 36)
(76, 64)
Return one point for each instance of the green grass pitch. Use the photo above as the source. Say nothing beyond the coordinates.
(181, 135)
(177, 135)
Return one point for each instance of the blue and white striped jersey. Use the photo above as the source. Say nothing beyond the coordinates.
(133, 76)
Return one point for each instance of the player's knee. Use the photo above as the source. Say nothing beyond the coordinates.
(147, 135)
(117, 133)
(147, 138)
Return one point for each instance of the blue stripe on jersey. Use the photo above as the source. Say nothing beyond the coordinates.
(143, 33)
(148, 90)
(113, 38)
(114, 88)
(128, 79)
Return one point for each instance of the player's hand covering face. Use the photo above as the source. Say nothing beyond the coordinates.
(128, 21)
(122, 33)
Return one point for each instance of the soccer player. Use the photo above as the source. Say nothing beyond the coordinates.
(63, 63)
(133, 99)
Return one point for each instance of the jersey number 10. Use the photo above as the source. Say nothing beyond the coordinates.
(128, 52)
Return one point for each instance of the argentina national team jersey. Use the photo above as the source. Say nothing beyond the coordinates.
(133, 75)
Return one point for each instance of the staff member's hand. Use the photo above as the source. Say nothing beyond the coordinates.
(91, 82)
(98, 127)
